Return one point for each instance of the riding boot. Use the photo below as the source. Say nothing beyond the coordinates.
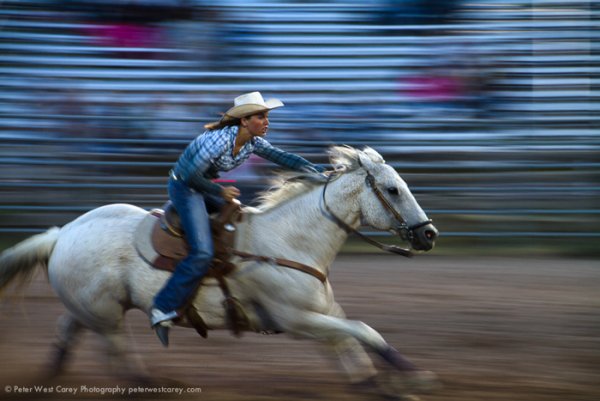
(161, 323)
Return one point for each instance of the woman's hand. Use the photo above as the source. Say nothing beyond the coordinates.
(230, 193)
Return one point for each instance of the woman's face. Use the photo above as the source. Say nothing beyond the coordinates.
(257, 124)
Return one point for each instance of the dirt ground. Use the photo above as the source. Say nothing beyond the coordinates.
(491, 328)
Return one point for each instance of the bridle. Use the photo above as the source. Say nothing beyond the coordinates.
(405, 231)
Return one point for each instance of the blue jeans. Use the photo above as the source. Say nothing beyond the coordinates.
(193, 210)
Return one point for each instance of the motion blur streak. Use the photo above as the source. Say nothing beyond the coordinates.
(488, 109)
(485, 108)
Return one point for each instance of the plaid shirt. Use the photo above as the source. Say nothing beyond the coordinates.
(212, 152)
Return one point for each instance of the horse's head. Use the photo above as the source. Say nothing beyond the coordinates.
(385, 201)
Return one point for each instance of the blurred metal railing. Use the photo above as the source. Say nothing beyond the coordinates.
(82, 125)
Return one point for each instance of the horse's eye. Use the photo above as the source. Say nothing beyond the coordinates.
(392, 191)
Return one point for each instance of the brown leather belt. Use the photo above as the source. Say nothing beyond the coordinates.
(283, 262)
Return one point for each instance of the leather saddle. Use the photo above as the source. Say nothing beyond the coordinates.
(160, 239)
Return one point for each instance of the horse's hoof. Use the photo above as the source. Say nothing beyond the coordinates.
(55, 366)
(373, 386)
(144, 380)
(420, 381)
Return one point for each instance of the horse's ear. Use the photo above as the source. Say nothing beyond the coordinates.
(365, 161)
(373, 155)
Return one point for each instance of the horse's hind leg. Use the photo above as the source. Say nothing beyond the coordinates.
(121, 362)
(68, 330)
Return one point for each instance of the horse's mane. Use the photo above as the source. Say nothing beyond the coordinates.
(286, 186)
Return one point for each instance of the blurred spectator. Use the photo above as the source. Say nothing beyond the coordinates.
(69, 102)
(478, 71)
(435, 85)
(133, 35)
(458, 79)
(132, 25)
(170, 118)
(112, 118)
(417, 12)
(203, 38)
(435, 90)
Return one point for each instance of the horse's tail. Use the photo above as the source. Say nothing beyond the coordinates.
(20, 262)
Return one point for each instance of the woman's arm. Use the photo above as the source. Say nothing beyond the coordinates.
(294, 162)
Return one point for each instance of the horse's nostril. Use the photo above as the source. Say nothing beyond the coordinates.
(430, 234)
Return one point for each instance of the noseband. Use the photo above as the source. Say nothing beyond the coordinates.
(405, 231)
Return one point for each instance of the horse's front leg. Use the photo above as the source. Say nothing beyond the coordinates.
(351, 355)
(353, 359)
(343, 333)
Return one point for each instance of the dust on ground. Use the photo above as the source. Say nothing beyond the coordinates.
(491, 328)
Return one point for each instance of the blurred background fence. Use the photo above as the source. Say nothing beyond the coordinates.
(488, 109)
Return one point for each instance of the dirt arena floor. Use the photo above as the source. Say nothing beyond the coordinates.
(491, 328)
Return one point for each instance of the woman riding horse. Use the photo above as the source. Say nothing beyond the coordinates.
(96, 271)
(225, 145)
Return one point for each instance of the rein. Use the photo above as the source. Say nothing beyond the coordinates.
(405, 231)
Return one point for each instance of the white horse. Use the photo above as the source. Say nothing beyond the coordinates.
(97, 273)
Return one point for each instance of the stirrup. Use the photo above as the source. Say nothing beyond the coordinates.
(158, 317)
(161, 323)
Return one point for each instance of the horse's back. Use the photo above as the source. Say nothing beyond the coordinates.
(101, 232)
(114, 211)
(92, 255)
(106, 225)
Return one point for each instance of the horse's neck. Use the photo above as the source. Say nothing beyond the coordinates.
(301, 229)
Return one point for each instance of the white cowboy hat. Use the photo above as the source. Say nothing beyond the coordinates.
(248, 104)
